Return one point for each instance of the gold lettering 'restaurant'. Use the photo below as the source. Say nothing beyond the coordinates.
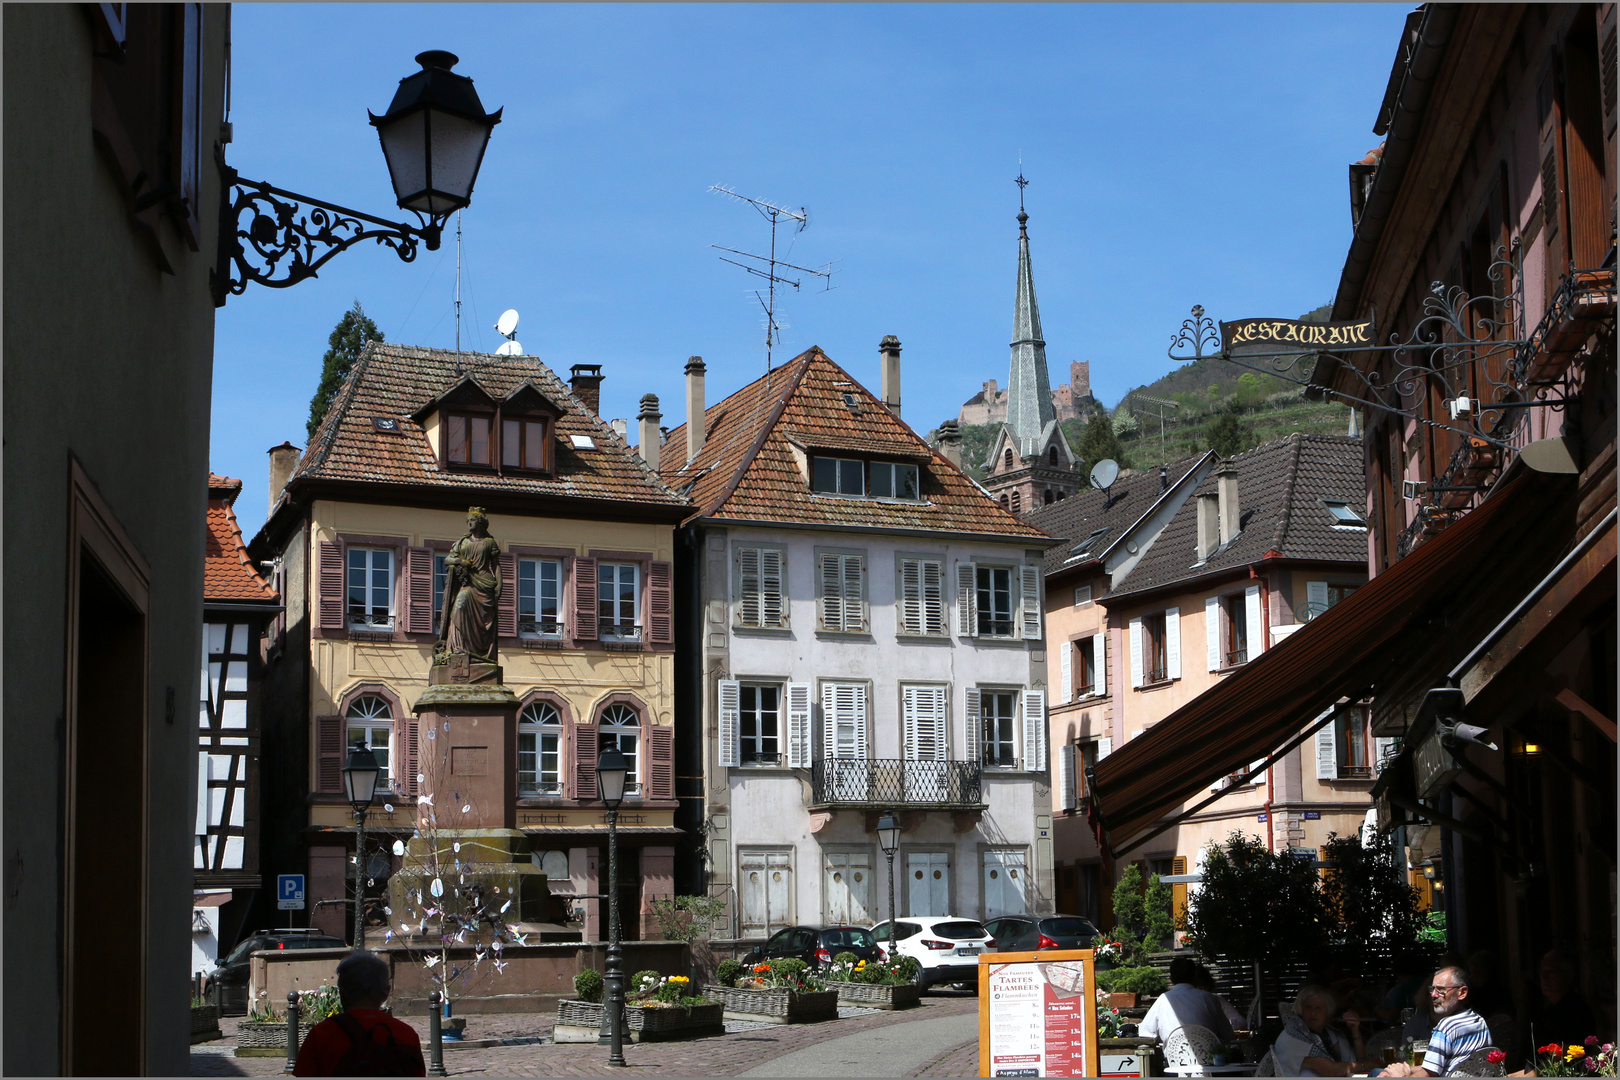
(1257, 334)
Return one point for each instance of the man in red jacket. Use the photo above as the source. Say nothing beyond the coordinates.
(362, 1040)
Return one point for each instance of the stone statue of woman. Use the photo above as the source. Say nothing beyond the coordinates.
(472, 593)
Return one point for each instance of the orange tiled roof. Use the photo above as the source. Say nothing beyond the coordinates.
(228, 573)
(398, 381)
(747, 469)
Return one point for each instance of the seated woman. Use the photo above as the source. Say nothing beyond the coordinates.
(1309, 1047)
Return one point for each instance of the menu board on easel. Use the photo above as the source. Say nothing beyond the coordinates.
(1038, 1014)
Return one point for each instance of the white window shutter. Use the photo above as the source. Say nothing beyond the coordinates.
(910, 596)
(941, 712)
(975, 726)
(730, 723)
(772, 597)
(1066, 775)
(1383, 749)
(1105, 746)
(1172, 642)
(854, 571)
(799, 723)
(1251, 615)
(1099, 658)
(911, 723)
(1316, 595)
(933, 597)
(748, 590)
(829, 719)
(1136, 652)
(858, 708)
(1031, 590)
(1035, 730)
(1066, 673)
(967, 599)
(832, 592)
(1327, 753)
(1082, 595)
(1212, 630)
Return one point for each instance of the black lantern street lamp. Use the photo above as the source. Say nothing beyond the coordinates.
(360, 781)
(611, 771)
(888, 830)
(433, 138)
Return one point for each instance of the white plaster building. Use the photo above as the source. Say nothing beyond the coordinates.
(862, 631)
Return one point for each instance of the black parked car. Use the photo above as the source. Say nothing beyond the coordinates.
(817, 946)
(232, 973)
(1031, 933)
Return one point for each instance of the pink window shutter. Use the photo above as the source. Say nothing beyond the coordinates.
(329, 754)
(331, 582)
(585, 608)
(585, 761)
(419, 590)
(661, 763)
(409, 760)
(661, 603)
(507, 619)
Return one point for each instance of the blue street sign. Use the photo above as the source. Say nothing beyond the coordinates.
(290, 892)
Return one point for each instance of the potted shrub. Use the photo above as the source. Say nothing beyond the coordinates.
(1125, 985)
(656, 1007)
(885, 984)
(775, 991)
(263, 1033)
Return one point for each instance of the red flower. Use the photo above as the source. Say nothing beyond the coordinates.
(1496, 1057)
(1550, 1048)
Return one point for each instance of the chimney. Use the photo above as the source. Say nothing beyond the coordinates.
(622, 426)
(696, 407)
(1226, 485)
(651, 438)
(950, 442)
(1209, 525)
(889, 347)
(1164, 479)
(283, 460)
(586, 382)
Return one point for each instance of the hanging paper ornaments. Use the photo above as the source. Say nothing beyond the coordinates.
(437, 888)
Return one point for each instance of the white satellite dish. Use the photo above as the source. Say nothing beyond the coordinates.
(506, 325)
(510, 348)
(1104, 473)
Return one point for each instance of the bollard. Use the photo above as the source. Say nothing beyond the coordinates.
(435, 1039)
(219, 995)
(292, 1030)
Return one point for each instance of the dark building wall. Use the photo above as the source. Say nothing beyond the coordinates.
(108, 363)
(689, 854)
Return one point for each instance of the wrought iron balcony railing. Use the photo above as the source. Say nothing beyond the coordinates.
(891, 782)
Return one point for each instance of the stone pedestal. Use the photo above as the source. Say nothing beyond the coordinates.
(466, 746)
(495, 860)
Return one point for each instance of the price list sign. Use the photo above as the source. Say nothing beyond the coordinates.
(1038, 1014)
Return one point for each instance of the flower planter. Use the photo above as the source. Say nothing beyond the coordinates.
(581, 1021)
(259, 1038)
(204, 1023)
(776, 1006)
(877, 995)
(1122, 1001)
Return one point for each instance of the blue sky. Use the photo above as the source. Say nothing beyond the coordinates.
(1176, 155)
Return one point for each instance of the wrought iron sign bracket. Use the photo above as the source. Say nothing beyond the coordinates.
(278, 238)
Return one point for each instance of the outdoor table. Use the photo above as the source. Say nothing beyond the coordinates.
(1237, 1068)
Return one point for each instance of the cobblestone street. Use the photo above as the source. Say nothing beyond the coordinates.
(736, 1052)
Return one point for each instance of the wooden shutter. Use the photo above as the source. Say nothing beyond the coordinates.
(853, 570)
(1212, 631)
(1035, 730)
(843, 702)
(975, 726)
(1178, 891)
(1066, 775)
(1253, 621)
(1105, 746)
(1066, 673)
(585, 613)
(730, 733)
(858, 711)
(832, 593)
(1316, 595)
(506, 623)
(748, 588)
(1172, 642)
(661, 761)
(1031, 592)
(923, 711)
(329, 754)
(407, 760)
(967, 599)
(909, 595)
(1327, 752)
(933, 592)
(332, 594)
(799, 721)
(1136, 652)
(585, 762)
(419, 590)
(661, 603)
(772, 595)
(1099, 661)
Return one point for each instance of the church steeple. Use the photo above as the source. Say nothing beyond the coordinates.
(1029, 393)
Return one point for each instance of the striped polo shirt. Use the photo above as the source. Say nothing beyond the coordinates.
(1454, 1038)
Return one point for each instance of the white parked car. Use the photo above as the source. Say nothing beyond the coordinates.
(946, 947)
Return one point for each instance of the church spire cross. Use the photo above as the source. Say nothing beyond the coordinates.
(1022, 184)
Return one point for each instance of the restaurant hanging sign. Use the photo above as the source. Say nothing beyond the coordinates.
(1038, 1014)
(1265, 335)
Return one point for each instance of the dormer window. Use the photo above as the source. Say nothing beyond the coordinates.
(523, 444)
(874, 479)
(894, 480)
(468, 439)
(479, 431)
(838, 476)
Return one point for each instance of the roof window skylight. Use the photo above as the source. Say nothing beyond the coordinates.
(1344, 516)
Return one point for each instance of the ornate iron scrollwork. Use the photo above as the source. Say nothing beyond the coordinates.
(279, 238)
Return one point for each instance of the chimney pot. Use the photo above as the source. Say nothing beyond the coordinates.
(950, 442)
(889, 348)
(283, 460)
(586, 382)
(696, 407)
(650, 439)
(1226, 487)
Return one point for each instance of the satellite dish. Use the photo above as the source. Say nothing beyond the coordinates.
(506, 325)
(510, 348)
(1104, 473)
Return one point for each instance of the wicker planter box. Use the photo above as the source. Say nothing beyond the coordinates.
(776, 1006)
(877, 996)
(267, 1038)
(204, 1023)
(581, 1021)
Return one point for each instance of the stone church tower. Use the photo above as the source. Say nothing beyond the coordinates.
(1030, 461)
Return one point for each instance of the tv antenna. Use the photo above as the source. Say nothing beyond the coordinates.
(506, 326)
(458, 284)
(776, 215)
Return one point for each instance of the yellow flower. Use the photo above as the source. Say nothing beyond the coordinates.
(1574, 1052)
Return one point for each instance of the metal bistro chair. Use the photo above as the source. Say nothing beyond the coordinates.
(1477, 1064)
(1267, 1065)
(1188, 1049)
